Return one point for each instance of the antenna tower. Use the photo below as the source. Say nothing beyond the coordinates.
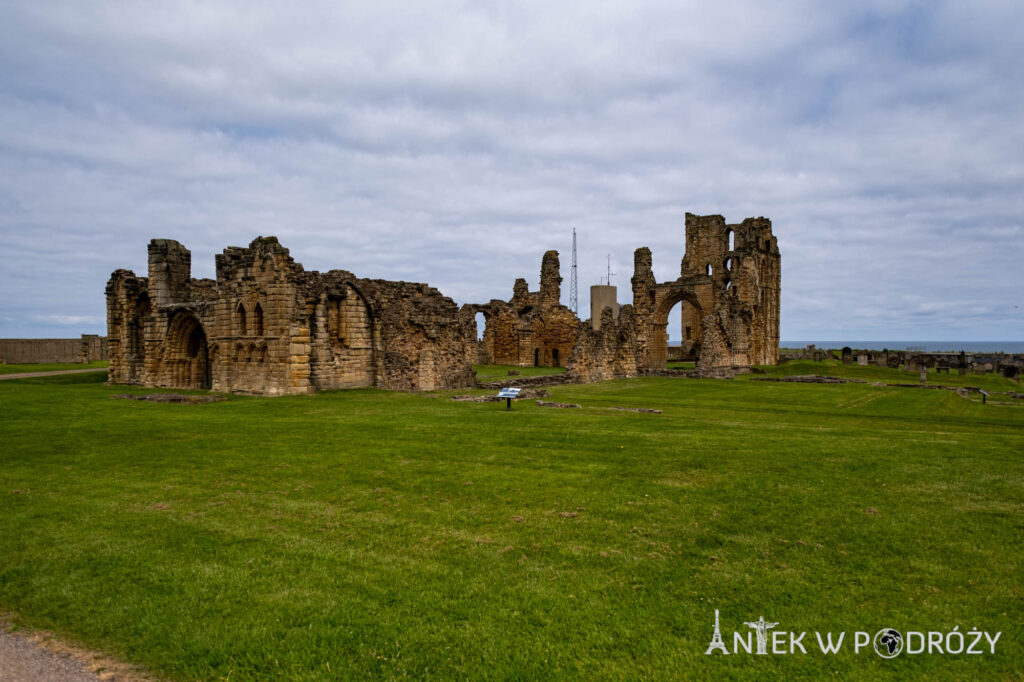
(608, 279)
(573, 285)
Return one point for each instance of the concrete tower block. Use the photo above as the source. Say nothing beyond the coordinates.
(602, 296)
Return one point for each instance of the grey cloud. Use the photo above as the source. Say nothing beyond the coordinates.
(453, 143)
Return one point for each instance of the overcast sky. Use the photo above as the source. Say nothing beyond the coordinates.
(454, 142)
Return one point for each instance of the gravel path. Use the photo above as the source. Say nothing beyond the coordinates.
(29, 375)
(22, 660)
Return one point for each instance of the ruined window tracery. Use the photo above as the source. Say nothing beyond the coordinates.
(240, 327)
(257, 320)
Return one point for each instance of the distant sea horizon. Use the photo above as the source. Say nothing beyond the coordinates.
(924, 346)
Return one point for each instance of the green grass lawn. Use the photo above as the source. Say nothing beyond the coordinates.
(487, 373)
(364, 533)
(51, 366)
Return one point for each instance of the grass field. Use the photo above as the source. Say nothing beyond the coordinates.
(487, 373)
(50, 366)
(388, 535)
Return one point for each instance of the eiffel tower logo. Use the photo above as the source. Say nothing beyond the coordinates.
(716, 639)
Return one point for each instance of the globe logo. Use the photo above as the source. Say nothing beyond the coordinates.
(888, 643)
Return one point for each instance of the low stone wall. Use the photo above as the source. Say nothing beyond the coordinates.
(522, 382)
(88, 348)
(708, 373)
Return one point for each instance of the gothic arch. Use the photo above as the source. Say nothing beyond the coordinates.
(240, 320)
(346, 347)
(257, 320)
(666, 296)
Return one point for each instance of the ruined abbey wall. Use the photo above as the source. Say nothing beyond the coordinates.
(728, 292)
(266, 326)
(531, 328)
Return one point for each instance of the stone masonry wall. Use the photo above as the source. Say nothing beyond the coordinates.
(531, 328)
(87, 348)
(268, 327)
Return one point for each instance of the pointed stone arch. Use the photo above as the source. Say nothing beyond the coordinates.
(345, 345)
(241, 327)
(666, 297)
(257, 320)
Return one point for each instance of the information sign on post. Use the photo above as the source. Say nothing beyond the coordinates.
(508, 394)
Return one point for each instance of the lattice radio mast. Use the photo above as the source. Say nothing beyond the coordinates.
(573, 283)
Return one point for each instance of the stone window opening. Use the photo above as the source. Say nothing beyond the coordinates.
(728, 263)
(481, 325)
(689, 333)
(708, 270)
(341, 330)
(554, 357)
(731, 239)
(257, 320)
(240, 320)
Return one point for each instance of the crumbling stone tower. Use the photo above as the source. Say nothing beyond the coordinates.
(735, 273)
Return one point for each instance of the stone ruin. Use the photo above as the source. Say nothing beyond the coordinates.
(265, 326)
(532, 328)
(729, 288)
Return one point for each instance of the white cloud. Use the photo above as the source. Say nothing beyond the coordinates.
(455, 142)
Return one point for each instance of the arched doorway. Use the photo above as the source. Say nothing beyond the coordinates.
(691, 318)
(187, 354)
